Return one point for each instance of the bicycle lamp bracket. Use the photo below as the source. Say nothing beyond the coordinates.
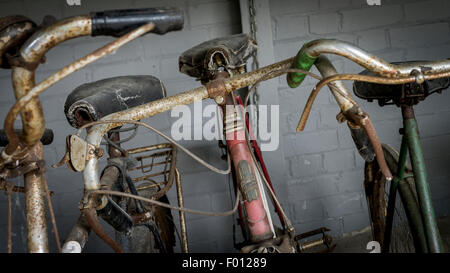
(78, 151)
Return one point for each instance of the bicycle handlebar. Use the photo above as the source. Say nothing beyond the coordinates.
(310, 51)
(118, 22)
(113, 23)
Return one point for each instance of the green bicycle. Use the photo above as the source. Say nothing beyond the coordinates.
(408, 223)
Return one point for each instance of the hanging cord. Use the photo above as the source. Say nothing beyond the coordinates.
(165, 205)
(201, 161)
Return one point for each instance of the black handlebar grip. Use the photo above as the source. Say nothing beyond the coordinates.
(46, 139)
(118, 22)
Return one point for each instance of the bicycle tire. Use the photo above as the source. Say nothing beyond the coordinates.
(407, 227)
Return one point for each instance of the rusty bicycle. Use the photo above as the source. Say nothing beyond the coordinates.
(137, 208)
(22, 48)
(408, 223)
(385, 170)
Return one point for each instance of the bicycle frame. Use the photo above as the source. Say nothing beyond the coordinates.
(350, 109)
(29, 148)
(416, 72)
(411, 143)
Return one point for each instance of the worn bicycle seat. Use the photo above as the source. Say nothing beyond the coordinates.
(386, 92)
(233, 51)
(92, 101)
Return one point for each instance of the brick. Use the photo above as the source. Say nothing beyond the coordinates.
(339, 160)
(293, 6)
(134, 50)
(372, 40)
(6, 8)
(356, 222)
(169, 70)
(213, 13)
(344, 137)
(351, 181)
(308, 210)
(52, 7)
(437, 52)
(435, 146)
(436, 166)
(324, 23)
(310, 142)
(421, 35)
(306, 165)
(423, 10)
(387, 131)
(290, 26)
(429, 127)
(210, 182)
(63, 87)
(333, 4)
(141, 67)
(169, 43)
(314, 187)
(328, 116)
(289, 121)
(54, 108)
(376, 16)
(439, 188)
(343, 204)
(217, 31)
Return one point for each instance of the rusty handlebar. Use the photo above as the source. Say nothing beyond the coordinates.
(31, 54)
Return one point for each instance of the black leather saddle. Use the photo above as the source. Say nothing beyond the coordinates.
(92, 101)
(233, 51)
(387, 92)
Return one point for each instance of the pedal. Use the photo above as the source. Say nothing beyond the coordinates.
(326, 240)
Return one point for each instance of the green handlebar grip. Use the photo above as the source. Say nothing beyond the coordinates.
(301, 61)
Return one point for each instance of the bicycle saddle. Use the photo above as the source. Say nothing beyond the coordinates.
(233, 51)
(92, 101)
(387, 92)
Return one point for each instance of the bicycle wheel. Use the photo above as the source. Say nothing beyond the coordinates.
(407, 228)
(142, 238)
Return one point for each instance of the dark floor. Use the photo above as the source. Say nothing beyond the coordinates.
(357, 241)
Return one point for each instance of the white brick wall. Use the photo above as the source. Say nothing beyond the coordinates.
(324, 173)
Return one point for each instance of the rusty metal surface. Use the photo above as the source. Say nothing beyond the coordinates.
(372, 62)
(78, 236)
(35, 205)
(250, 78)
(357, 77)
(14, 30)
(379, 155)
(327, 69)
(43, 40)
(32, 116)
(165, 159)
(184, 240)
(91, 217)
